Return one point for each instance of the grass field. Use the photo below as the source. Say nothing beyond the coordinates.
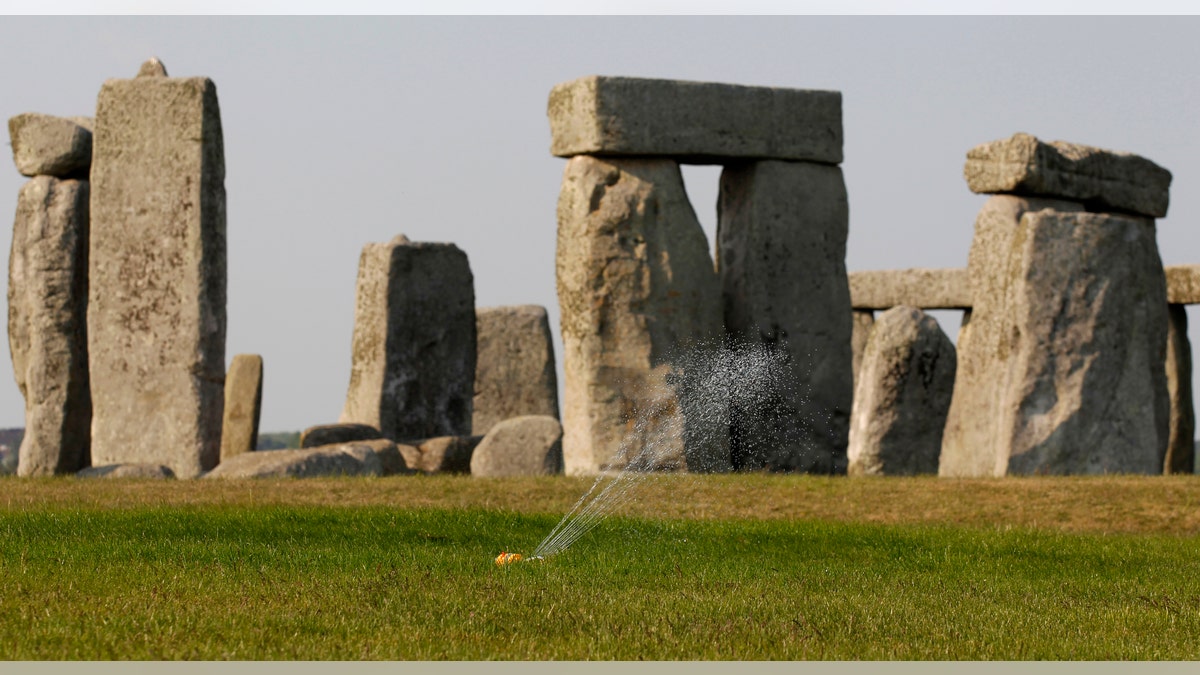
(710, 567)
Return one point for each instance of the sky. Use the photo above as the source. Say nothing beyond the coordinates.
(342, 131)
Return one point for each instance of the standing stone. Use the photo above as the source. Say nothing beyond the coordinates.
(530, 445)
(156, 315)
(243, 405)
(902, 396)
(514, 369)
(1181, 446)
(973, 440)
(44, 145)
(47, 324)
(637, 289)
(1078, 363)
(782, 230)
(860, 330)
(413, 361)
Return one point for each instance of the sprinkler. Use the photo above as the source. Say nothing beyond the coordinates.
(507, 558)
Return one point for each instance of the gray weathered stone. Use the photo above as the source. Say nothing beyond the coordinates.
(330, 434)
(1183, 284)
(902, 396)
(1103, 179)
(636, 288)
(529, 445)
(860, 330)
(1181, 446)
(782, 235)
(972, 440)
(243, 405)
(924, 288)
(359, 458)
(127, 471)
(1076, 364)
(156, 313)
(701, 122)
(444, 454)
(412, 372)
(44, 145)
(152, 67)
(514, 367)
(47, 324)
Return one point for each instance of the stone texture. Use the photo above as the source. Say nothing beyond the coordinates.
(1102, 179)
(412, 369)
(360, 458)
(637, 289)
(693, 121)
(902, 396)
(329, 434)
(243, 405)
(860, 330)
(1183, 284)
(444, 454)
(923, 288)
(1066, 354)
(156, 315)
(514, 366)
(127, 471)
(47, 324)
(782, 230)
(152, 67)
(529, 445)
(1180, 456)
(44, 145)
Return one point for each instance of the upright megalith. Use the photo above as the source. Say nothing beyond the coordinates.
(243, 405)
(47, 324)
(901, 396)
(1061, 367)
(156, 301)
(1180, 457)
(412, 371)
(862, 321)
(636, 288)
(781, 233)
(514, 366)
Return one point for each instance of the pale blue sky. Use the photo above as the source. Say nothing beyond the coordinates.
(345, 130)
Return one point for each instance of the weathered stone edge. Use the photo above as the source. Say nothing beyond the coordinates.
(946, 288)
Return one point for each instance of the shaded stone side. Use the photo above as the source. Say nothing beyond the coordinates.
(47, 324)
(972, 440)
(243, 405)
(924, 288)
(860, 330)
(156, 317)
(636, 288)
(514, 367)
(412, 371)
(902, 397)
(693, 121)
(330, 434)
(1103, 179)
(1181, 446)
(782, 248)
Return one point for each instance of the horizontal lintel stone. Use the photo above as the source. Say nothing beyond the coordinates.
(693, 122)
(1102, 179)
(1183, 284)
(948, 288)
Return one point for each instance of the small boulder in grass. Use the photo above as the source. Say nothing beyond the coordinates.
(530, 445)
(126, 471)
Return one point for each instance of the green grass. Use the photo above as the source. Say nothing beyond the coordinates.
(279, 581)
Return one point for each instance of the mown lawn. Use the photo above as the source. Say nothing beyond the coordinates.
(401, 568)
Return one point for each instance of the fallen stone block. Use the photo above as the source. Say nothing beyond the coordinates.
(360, 458)
(444, 454)
(330, 434)
(902, 396)
(44, 145)
(126, 471)
(699, 122)
(514, 366)
(1104, 180)
(243, 405)
(923, 288)
(530, 445)
(47, 321)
